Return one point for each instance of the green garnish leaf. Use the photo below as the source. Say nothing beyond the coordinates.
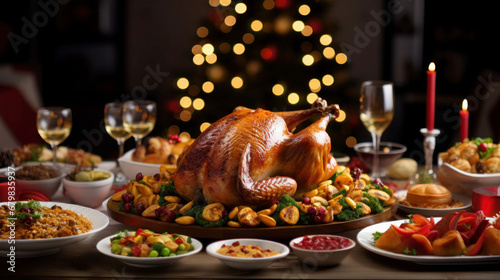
(410, 216)
(407, 251)
(376, 235)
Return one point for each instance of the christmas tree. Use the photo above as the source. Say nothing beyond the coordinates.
(273, 54)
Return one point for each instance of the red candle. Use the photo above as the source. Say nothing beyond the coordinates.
(464, 121)
(431, 96)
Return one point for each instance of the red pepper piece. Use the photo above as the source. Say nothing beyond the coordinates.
(128, 239)
(444, 224)
(475, 248)
(139, 232)
(479, 231)
(432, 235)
(179, 241)
(136, 250)
(454, 222)
(420, 220)
(409, 232)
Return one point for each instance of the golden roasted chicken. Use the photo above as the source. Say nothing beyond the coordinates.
(251, 157)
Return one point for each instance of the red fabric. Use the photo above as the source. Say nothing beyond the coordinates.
(18, 115)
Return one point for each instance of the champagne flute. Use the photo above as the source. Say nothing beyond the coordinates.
(54, 126)
(139, 117)
(376, 113)
(113, 120)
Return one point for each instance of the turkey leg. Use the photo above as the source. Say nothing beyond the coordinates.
(294, 118)
(264, 191)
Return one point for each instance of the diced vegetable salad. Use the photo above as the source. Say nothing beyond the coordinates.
(145, 243)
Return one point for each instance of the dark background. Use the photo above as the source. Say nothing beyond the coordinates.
(93, 52)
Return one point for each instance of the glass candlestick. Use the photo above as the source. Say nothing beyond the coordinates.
(427, 175)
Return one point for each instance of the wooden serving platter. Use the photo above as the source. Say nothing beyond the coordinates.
(278, 232)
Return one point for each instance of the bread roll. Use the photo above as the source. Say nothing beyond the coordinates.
(428, 195)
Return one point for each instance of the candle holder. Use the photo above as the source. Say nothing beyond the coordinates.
(427, 175)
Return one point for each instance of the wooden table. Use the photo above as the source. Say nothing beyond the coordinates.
(83, 261)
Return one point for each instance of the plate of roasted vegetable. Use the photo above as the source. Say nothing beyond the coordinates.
(346, 201)
(455, 239)
(145, 248)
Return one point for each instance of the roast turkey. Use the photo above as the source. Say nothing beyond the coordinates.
(252, 157)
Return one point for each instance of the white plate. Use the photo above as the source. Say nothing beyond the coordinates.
(365, 239)
(41, 247)
(248, 263)
(428, 212)
(104, 247)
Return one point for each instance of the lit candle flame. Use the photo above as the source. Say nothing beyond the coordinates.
(432, 66)
(464, 105)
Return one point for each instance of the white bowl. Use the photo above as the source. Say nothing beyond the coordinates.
(321, 257)
(248, 263)
(104, 248)
(47, 187)
(130, 168)
(90, 194)
(464, 182)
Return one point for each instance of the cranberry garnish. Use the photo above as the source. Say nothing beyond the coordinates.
(28, 220)
(139, 176)
(127, 207)
(140, 208)
(482, 147)
(157, 177)
(306, 200)
(127, 197)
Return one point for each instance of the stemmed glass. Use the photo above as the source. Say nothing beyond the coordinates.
(139, 117)
(54, 126)
(113, 120)
(376, 113)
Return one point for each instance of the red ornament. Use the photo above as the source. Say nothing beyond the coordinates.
(269, 53)
(214, 17)
(172, 106)
(316, 25)
(283, 4)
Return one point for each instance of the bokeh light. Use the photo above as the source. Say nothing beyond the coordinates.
(311, 97)
(278, 89)
(293, 98)
(207, 87)
(237, 82)
(341, 58)
(182, 83)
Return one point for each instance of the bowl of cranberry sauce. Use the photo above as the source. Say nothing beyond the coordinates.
(322, 250)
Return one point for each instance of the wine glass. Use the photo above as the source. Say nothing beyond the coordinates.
(54, 126)
(139, 117)
(113, 121)
(376, 113)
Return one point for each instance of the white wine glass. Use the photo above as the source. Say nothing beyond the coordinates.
(139, 117)
(376, 113)
(113, 121)
(54, 126)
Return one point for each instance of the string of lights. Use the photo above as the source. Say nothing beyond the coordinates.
(275, 51)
